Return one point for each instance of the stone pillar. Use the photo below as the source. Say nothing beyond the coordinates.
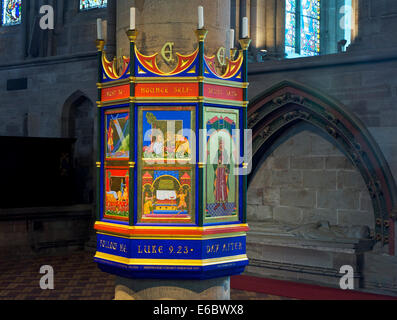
(161, 289)
(258, 29)
(160, 21)
(275, 27)
(111, 28)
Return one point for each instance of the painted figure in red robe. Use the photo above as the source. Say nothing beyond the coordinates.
(222, 171)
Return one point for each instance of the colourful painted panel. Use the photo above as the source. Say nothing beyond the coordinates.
(167, 194)
(166, 135)
(166, 181)
(92, 4)
(221, 185)
(11, 12)
(116, 196)
(117, 137)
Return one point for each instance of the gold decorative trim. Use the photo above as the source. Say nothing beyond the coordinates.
(245, 43)
(99, 164)
(201, 34)
(132, 164)
(220, 102)
(110, 84)
(226, 103)
(164, 79)
(226, 83)
(100, 44)
(233, 52)
(132, 35)
(198, 79)
(167, 99)
(113, 102)
(170, 262)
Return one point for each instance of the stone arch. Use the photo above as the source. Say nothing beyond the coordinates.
(78, 123)
(75, 99)
(288, 104)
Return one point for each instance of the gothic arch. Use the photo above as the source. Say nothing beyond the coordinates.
(75, 99)
(78, 123)
(288, 104)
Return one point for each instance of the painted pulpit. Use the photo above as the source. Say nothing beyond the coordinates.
(171, 165)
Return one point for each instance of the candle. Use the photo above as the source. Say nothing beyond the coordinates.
(231, 35)
(200, 17)
(245, 28)
(99, 28)
(132, 18)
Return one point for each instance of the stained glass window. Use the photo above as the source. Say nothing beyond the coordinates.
(302, 30)
(92, 4)
(290, 27)
(11, 12)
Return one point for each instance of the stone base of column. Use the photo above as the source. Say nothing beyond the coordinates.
(160, 289)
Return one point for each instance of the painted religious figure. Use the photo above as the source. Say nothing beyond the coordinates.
(221, 187)
(222, 171)
(117, 135)
(164, 135)
(117, 152)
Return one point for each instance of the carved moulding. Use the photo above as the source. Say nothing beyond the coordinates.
(269, 115)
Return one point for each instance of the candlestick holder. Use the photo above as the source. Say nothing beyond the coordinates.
(245, 43)
(100, 44)
(132, 35)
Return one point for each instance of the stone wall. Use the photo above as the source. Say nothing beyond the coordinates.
(74, 32)
(364, 83)
(161, 21)
(31, 231)
(307, 179)
(51, 81)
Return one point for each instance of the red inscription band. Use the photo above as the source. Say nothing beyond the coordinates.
(221, 92)
(116, 93)
(166, 90)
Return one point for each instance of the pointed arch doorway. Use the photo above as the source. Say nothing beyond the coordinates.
(78, 123)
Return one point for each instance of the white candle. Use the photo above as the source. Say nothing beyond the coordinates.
(200, 17)
(231, 35)
(132, 18)
(99, 28)
(245, 28)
